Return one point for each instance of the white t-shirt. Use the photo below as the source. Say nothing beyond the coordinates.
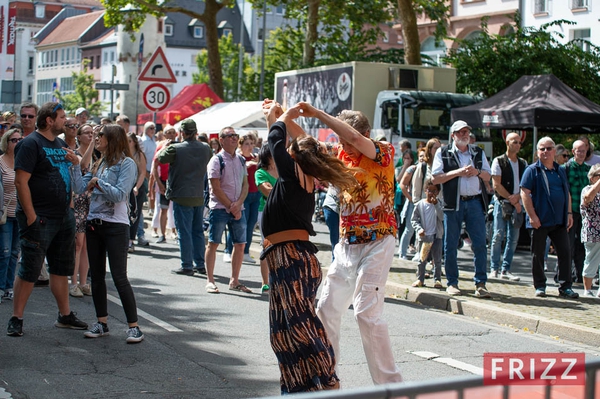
(497, 171)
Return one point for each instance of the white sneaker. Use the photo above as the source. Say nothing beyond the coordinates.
(226, 258)
(588, 293)
(495, 273)
(248, 259)
(75, 291)
(509, 276)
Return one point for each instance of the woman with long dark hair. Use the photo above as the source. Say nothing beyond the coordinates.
(111, 179)
(298, 337)
(141, 185)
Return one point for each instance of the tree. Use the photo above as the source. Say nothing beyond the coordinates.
(84, 95)
(491, 62)
(133, 20)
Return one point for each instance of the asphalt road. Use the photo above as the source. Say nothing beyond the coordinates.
(201, 345)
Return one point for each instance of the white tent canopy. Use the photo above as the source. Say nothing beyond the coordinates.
(244, 115)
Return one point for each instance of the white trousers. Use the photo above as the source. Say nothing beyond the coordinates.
(357, 276)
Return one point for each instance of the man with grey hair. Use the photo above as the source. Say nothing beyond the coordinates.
(185, 187)
(462, 168)
(546, 198)
(28, 114)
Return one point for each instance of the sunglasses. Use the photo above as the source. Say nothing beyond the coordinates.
(564, 155)
(547, 149)
(72, 126)
(15, 141)
(25, 116)
(228, 136)
(57, 107)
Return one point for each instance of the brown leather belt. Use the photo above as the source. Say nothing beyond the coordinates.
(287, 235)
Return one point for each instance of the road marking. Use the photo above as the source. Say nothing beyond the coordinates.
(457, 364)
(147, 316)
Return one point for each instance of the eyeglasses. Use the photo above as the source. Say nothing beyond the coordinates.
(547, 149)
(57, 107)
(228, 136)
(151, 128)
(564, 155)
(72, 126)
(15, 141)
(25, 116)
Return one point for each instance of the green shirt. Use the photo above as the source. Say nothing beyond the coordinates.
(577, 178)
(262, 176)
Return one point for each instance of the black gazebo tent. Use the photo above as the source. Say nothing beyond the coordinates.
(534, 102)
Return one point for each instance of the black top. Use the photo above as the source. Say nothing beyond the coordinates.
(50, 181)
(289, 206)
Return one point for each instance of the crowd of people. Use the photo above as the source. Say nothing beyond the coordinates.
(74, 193)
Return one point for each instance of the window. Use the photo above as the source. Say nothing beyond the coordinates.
(30, 69)
(260, 34)
(112, 57)
(579, 4)
(45, 90)
(40, 10)
(279, 10)
(159, 27)
(66, 85)
(386, 37)
(105, 58)
(91, 63)
(581, 37)
(98, 61)
(168, 30)
(227, 31)
(540, 6)
(198, 32)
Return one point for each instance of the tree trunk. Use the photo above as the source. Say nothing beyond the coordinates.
(410, 32)
(312, 22)
(215, 72)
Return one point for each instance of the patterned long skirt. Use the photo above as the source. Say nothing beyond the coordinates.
(298, 338)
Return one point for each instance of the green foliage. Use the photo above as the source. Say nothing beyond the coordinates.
(84, 95)
(490, 63)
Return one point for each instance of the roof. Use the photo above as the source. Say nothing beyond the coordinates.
(71, 29)
(242, 114)
(108, 38)
(540, 101)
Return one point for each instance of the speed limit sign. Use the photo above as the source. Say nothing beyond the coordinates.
(156, 97)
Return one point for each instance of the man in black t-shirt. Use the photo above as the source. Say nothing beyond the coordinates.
(45, 216)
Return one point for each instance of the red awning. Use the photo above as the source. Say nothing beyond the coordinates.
(191, 100)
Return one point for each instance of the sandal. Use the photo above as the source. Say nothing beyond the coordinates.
(211, 288)
(241, 288)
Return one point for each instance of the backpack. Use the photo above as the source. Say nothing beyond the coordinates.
(221, 167)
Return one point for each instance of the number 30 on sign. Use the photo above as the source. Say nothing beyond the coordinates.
(156, 97)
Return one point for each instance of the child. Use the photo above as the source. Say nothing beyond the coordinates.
(427, 220)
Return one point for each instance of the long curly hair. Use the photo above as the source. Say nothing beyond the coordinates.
(117, 146)
(308, 154)
(430, 144)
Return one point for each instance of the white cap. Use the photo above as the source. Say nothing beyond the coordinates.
(456, 126)
(80, 111)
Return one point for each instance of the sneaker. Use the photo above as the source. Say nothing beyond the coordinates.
(8, 295)
(495, 273)
(417, 283)
(131, 248)
(15, 327)
(226, 258)
(142, 242)
(86, 289)
(452, 290)
(200, 270)
(70, 321)
(546, 268)
(567, 293)
(155, 234)
(75, 291)
(507, 275)
(134, 335)
(161, 240)
(185, 272)
(482, 292)
(540, 292)
(98, 330)
(589, 293)
(265, 288)
(437, 284)
(248, 259)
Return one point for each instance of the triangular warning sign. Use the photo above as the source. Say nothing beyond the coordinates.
(157, 69)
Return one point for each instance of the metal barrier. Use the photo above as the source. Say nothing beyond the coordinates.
(463, 388)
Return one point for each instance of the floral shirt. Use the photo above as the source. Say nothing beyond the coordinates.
(590, 216)
(367, 211)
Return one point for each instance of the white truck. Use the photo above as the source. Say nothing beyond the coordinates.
(401, 101)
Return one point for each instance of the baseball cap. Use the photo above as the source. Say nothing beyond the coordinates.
(456, 126)
(189, 126)
(81, 111)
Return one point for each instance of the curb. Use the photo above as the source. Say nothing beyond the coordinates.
(482, 311)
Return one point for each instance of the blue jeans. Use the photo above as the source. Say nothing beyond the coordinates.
(406, 215)
(9, 252)
(332, 220)
(503, 229)
(218, 219)
(251, 204)
(472, 213)
(189, 223)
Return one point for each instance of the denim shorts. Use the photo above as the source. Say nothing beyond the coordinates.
(218, 219)
(53, 239)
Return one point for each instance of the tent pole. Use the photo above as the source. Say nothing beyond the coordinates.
(534, 144)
